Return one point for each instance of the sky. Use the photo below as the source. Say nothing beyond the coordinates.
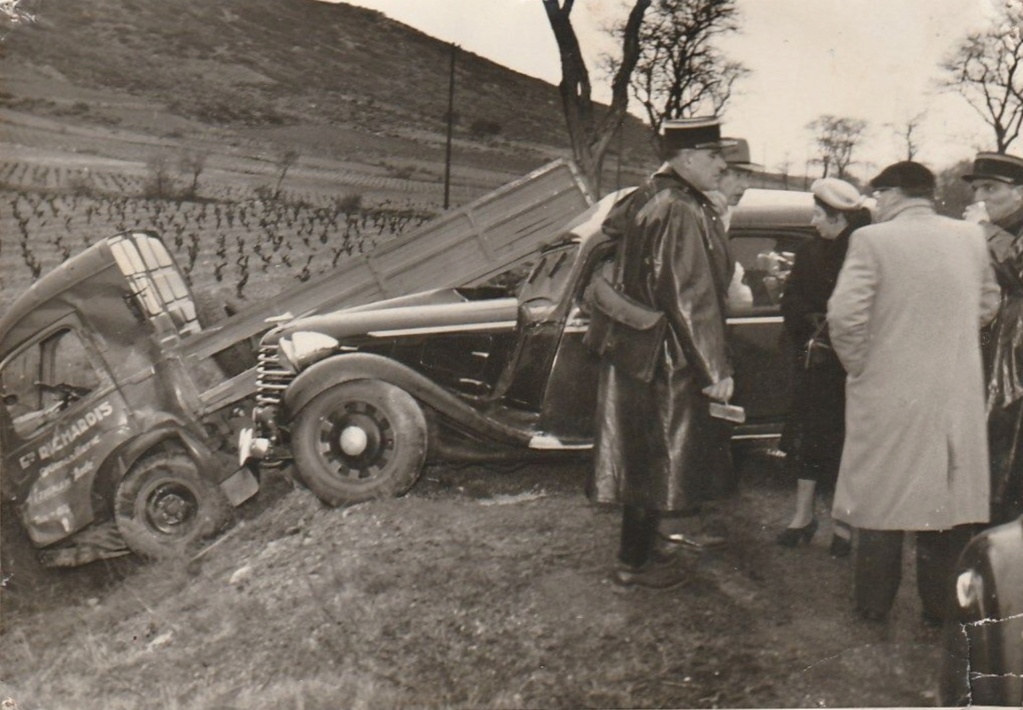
(876, 60)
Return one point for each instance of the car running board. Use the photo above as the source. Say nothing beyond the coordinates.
(549, 442)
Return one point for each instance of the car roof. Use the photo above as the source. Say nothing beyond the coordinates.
(759, 208)
(773, 208)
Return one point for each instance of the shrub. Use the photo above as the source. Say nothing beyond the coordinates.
(485, 128)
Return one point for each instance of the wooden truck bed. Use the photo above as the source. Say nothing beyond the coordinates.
(464, 246)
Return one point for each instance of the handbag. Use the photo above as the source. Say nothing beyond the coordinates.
(818, 348)
(624, 331)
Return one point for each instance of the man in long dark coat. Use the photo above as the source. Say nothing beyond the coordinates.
(657, 449)
(997, 184)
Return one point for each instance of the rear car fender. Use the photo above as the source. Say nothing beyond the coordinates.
(366, 366)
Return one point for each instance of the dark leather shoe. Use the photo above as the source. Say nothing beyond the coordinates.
(840, 546)
(790, 537)
(871, 616)
(699, 541)
(652, 575)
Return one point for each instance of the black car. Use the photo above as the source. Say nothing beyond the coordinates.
(362, 398)
(983, 658)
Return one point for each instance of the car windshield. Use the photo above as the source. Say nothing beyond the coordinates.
(549, 277)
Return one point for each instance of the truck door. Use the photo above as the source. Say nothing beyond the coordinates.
(59, 401)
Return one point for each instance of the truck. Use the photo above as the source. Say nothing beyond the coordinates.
(122, 404)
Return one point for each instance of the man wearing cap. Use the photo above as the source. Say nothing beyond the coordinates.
(997, 184)
(736, 178)
(734, 182)
(904, 319)
(657, 450)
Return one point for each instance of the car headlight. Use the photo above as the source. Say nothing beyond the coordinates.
(301, 348)
(969, 589)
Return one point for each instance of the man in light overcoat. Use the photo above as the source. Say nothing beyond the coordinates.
(904, 320)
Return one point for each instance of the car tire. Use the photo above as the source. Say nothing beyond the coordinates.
(359, 441)
(163, 506)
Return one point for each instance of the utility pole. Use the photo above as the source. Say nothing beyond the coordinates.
(451, 123)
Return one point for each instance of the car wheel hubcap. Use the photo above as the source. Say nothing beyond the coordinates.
(357, 441)
(354, 440)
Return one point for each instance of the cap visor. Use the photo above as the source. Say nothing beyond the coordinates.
(723, 143)
(981, 176)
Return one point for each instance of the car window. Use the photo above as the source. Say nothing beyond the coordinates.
(766, 261)
(45, 378)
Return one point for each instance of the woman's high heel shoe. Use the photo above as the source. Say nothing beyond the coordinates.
(790, 537)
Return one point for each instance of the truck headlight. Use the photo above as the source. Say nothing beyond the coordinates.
(304, 347)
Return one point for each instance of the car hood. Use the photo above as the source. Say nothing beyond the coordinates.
(438, 311)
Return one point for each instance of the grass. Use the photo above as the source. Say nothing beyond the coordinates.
(478, 590)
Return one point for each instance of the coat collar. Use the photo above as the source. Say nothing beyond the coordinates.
(910, 207)
(1013, 223)
(666, 171)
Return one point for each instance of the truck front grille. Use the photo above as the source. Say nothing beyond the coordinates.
(271, 378)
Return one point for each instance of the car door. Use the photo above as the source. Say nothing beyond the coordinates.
(761, 350)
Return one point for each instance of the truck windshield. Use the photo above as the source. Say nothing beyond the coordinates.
(155, 278)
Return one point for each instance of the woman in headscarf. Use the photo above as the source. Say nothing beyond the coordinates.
(817, 422)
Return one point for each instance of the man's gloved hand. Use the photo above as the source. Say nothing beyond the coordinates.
(721, 391)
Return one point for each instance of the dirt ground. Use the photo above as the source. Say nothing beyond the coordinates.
(484, 587)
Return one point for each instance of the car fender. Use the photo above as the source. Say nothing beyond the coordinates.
(367, 366)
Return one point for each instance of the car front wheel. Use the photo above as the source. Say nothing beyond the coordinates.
(358, 441)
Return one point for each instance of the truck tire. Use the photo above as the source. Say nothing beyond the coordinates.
(163, 506)
(359, 441)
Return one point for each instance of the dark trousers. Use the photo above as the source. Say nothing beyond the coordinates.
(878, 568)
(639, 535)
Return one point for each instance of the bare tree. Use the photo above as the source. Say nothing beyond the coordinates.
(284, 162)
(679, 72)
(836, 138)
(589, 134)
(192, 163)
(159, 183)
(986, 70)
(784, 168)
(908, 133)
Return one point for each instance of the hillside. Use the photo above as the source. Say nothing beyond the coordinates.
(333, 80)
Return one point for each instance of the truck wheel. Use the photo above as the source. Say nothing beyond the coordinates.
(358, 441)
(163, 506)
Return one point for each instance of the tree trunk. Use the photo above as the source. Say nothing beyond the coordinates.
(590, 140)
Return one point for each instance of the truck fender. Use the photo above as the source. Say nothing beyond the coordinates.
(367, 366)
(120, 460)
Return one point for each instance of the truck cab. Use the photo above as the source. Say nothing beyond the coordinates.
(107, 446)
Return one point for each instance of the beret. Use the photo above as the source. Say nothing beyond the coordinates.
(837, 194)
(905, 174)
(997, 166)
